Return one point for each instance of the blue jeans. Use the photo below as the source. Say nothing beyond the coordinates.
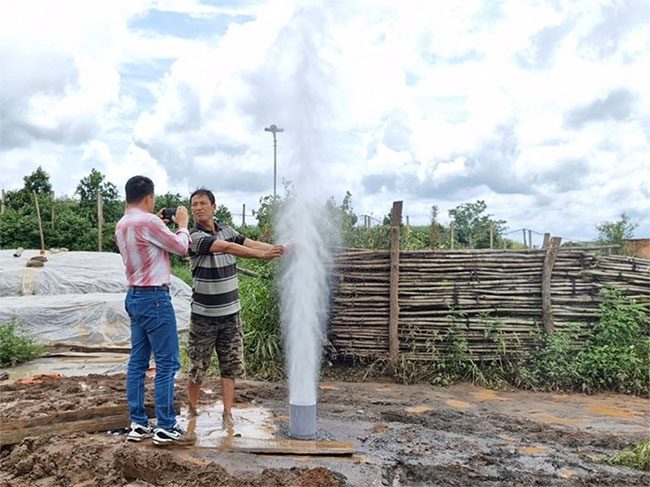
(153, 329)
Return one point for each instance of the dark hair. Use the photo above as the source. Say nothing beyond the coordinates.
(137, 188)
(203, 192)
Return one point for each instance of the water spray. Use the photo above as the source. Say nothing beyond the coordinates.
(304, 292)
(304, 289)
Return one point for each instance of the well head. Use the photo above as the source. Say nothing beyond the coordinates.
(302, 421)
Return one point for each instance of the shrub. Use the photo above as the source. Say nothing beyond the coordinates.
(617, 353)
(635, 457)
(554, 365)
(15, 347)
(261, 316)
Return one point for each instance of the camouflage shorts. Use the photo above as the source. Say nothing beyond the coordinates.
(225, 335)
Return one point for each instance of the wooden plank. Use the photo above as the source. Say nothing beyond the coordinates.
(287, 446)
(88, 420)
(13, 436)
(67, 417)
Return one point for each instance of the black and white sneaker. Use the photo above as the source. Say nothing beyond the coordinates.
(139, 432)
(174, 436)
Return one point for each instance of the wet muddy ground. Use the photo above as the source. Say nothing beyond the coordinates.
(403, 435)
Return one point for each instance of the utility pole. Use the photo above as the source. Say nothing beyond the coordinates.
(274, 129)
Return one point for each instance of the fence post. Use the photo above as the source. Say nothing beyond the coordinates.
(547, 239)
(52, 204)
(40, 222)
(100, 220)
(524, 232)
(530, 239)
(243, 215)
(393, 320)
(491, 235)
(547, 271)
(434, 227)
(2, 202)
(452, 231)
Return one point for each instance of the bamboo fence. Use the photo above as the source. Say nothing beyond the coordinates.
(493, 299)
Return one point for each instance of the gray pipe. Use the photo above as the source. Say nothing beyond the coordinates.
(302, 421)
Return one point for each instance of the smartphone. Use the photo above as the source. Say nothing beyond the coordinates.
(169, 213)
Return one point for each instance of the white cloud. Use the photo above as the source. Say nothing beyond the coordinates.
(541, 109)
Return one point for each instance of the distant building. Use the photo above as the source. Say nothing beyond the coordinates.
(639, 247)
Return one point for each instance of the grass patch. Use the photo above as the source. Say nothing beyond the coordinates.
(635, 457)
(261, 316)
(15, 346)
(181, 269)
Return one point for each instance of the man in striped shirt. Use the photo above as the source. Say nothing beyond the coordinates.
(145, 243)
(216, 323)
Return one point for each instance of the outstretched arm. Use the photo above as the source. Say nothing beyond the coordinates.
(261, 251)
(254, 244)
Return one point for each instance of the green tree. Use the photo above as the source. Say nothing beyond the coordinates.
(92, 184)
(171, 200)
(23, 199)
(343, 217)
(472, 225)
(18, 229)
(19, 224)
(615, 233)
(88, 189)
(223, 215)
(269, 209)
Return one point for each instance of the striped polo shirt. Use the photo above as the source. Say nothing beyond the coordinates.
(215, 290)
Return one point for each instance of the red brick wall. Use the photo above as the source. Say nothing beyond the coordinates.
(639, 246)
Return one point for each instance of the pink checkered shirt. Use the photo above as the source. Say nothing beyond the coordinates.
(145, 242)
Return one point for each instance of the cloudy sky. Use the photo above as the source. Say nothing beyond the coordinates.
(540, 108)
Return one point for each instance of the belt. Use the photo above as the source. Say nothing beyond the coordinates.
(149, 288)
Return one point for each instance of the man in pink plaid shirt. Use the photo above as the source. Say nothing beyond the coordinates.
(145, 243)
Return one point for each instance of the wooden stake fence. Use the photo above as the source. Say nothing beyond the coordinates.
(480, 294)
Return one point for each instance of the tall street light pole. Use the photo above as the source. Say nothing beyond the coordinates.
(275, 129)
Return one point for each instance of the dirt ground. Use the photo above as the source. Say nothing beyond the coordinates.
(403, 435)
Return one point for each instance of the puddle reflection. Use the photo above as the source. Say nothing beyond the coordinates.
(80, 364)
(249, 422)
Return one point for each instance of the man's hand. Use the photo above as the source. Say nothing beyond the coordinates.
(181, 218)
(273, 252)
(290, 247)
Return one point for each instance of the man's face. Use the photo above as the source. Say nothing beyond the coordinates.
(201, 208)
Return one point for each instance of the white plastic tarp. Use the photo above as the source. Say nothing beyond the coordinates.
(69, 273)
(76, 298)
(89, 320)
